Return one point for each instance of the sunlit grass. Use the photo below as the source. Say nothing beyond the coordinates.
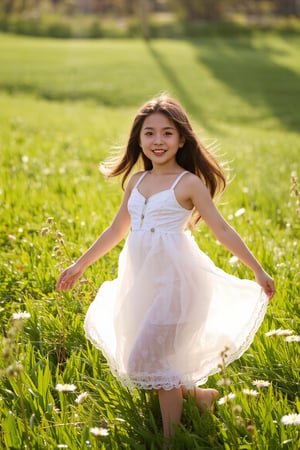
(49, 154)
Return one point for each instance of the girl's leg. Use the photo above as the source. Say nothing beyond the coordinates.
(171, 407)
(204, 397)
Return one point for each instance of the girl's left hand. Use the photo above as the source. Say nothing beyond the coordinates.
(68, 278)
(267, 283)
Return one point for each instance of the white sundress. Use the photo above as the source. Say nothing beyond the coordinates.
(164, 321)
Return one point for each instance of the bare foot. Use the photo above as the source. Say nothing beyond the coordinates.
(205, 399)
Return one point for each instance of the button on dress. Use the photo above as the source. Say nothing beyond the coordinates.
(166, 318)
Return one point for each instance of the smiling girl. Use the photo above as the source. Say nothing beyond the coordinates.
(164, 321)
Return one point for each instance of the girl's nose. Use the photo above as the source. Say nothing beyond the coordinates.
(157, 138)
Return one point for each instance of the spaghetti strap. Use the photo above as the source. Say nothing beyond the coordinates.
(178, 179)
(140, 179)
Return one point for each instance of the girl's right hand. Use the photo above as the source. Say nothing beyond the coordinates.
(68, 277)
(266, 282)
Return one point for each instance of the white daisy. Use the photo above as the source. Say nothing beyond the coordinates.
(251, 392)
(261, 383)
(233, 260)
(226, 398)
(279, 332)
(99, 431)
(65, 387)
(81, 398)
(291, 419)
(240, 212)
(21, 315)
(293, 338)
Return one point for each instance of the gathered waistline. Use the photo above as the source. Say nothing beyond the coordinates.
(156, 230)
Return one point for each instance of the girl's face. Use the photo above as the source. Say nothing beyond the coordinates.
(160, 139)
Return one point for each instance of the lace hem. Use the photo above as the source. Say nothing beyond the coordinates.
(163, 381)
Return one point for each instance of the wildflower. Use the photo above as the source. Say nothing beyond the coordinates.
(99, 431)
(44, 231)
(6, 352)
(251, 392)
(279, 332)
(25, 159)
(21, 315)
(261, 383)
(62, 446)
(50, 220)
(224, 382)
(81, 398)
(250, 429)
(293, 338)
(65, 387)
(11, 237)
(226, 398)
(14, 370)
(59, 234)
(237, 409)
(233, 260)
(239, 421)
(240, 212)
(291, 419)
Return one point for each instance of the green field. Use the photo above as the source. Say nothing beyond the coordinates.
(65, 106)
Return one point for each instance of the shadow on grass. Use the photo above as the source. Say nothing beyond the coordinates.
(179, 89)
(253, 74)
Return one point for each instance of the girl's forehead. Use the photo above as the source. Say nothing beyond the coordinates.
(158, 120)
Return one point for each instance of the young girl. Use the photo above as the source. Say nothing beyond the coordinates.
(164, 321)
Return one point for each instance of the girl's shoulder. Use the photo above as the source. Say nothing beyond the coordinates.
(134, 179)
(192, 184)
(192, 179)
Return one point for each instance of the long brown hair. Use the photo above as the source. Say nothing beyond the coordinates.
(193, 156)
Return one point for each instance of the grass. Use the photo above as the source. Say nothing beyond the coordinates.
(64, 105)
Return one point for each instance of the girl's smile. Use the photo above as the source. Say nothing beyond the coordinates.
(160, 139)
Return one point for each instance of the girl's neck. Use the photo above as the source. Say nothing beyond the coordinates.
(169, 170)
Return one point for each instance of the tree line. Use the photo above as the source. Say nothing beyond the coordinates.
(209, 10)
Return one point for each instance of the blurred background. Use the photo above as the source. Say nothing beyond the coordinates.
(147, 18)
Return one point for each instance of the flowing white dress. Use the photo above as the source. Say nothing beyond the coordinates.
(164, 321)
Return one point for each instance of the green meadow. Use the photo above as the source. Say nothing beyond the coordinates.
(65, 106)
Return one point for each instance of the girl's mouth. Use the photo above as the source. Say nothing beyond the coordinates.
(159, 152)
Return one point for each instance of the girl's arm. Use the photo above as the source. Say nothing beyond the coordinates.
(105, 242)
(226, 235)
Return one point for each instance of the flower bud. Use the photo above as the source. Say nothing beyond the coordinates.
(44, 231)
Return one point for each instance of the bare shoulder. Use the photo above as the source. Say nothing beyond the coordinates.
(193, 183)
(190, 190)
(133, 180)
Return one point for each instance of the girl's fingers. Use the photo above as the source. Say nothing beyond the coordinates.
(270, 290)
(67, 279)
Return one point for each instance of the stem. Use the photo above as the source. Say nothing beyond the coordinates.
(62, 350)
(23, 411)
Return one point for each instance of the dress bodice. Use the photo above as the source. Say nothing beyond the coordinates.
(161, 212)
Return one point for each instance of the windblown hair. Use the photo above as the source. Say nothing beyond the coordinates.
(193, 156)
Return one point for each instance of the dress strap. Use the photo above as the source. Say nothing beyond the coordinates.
(140, 178)
(178, 179)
